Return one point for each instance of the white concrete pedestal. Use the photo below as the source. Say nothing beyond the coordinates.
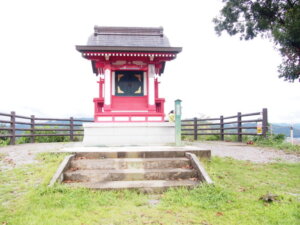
(116, 134)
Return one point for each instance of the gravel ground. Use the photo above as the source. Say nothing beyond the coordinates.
(13, 156)
(243, 151)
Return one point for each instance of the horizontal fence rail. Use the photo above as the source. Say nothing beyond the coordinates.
(15, 126)
(239, 125)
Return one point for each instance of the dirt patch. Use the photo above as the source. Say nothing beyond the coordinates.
(242, 151)
(16, 155)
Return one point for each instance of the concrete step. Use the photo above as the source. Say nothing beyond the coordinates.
(131, 163)
(128, 175)
(140, 153)
(147, 186)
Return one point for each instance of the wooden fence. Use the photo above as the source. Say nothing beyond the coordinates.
(23, 126)
(226, 125)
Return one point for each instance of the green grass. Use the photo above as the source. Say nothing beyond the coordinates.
(234, 199)
(286, 147)
(4, 142)
(277, 142)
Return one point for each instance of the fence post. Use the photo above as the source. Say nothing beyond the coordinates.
(265, 122)
(71, 129)
(195, 129)
(32, 121)
(222, 128)
(239, 129)
(13, 128)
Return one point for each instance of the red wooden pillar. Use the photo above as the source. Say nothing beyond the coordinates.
(156, 88)
(101, 82)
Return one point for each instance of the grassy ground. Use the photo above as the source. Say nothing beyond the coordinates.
(234, 199)
(285, 146)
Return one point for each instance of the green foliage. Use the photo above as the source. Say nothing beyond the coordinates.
(276, 141)
(234, 138)
(231, 138)
(43, 139)
(213, 137)
(3, 141)
(187, 137)
(201, 137)
(279, 137)
(277, 19)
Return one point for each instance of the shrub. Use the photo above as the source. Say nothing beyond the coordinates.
(3, 140)
(276, 141)
(213, 137)
(187, 137)
(270, 139)
(43, 139)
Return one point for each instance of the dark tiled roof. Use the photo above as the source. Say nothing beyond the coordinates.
(128, 37)
(141, 31)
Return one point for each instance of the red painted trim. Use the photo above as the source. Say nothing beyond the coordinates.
(125, 103)
(111, 76)
(158, 56)
(101, 60)
(147, 119)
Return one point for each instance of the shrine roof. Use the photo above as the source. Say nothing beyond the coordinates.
(146, 39)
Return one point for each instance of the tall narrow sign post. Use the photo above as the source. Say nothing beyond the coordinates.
(178, 122)
(292, 134)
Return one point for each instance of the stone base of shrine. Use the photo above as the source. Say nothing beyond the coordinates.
(117, 134)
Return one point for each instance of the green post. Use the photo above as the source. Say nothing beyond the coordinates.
(178, 122)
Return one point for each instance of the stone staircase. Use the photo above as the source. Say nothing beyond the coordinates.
(146, 171)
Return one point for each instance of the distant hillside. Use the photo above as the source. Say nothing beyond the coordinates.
(282, 128)
(296, 125)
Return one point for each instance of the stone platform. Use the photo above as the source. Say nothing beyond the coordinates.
(139, 133)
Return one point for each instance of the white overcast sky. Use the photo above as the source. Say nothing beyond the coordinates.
(41, 73)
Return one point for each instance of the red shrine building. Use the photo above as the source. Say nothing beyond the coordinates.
(128, 61)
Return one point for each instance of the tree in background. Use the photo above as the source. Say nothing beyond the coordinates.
(278, 20)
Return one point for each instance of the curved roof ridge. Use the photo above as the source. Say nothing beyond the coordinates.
(140, 31)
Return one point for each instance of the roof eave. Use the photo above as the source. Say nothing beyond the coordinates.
(86, 48)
